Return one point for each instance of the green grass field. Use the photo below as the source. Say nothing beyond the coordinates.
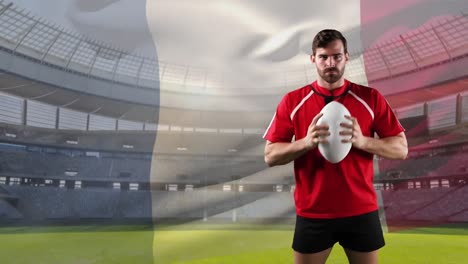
(208, 244)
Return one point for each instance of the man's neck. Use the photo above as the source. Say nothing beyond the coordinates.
(330, 86)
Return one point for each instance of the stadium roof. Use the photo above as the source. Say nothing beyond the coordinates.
(30, 37)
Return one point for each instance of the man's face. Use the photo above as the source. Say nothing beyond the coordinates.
(330, 61)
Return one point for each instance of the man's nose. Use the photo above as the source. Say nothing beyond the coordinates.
(330, 62)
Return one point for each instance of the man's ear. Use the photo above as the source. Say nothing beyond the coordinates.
(312, 58)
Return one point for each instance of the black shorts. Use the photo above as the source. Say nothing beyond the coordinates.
(361, 233)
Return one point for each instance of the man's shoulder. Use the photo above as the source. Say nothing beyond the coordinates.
(360, 87)
(293, 98)
(299, 93)
(363, 90)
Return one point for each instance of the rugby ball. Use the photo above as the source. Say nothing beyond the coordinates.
(333, 114)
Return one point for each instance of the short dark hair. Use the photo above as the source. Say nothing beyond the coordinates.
(324, 37)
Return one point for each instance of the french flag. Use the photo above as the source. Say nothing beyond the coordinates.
(238, 58)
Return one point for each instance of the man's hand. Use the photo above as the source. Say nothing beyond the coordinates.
(316, 133)
(354, 133)
(280, 153)
(394, 147)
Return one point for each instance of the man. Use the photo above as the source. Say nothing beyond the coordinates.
(334, 202)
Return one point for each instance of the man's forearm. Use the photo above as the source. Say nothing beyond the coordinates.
(390, 147)
(281, 153)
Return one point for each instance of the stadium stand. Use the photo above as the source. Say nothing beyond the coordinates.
(65, 160)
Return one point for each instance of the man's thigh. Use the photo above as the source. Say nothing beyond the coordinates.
(313, 235)
(362, 233)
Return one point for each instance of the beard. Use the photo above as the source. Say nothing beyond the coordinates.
(331, 75)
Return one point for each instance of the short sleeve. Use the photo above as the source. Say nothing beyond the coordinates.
(386, 123)
(281, 128)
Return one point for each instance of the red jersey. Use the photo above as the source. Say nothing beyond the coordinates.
(324, 189)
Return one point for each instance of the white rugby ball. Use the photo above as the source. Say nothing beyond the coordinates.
(333, 114)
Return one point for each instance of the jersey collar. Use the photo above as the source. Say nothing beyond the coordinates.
(325, 92)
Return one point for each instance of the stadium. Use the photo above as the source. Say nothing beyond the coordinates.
(109, 156)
